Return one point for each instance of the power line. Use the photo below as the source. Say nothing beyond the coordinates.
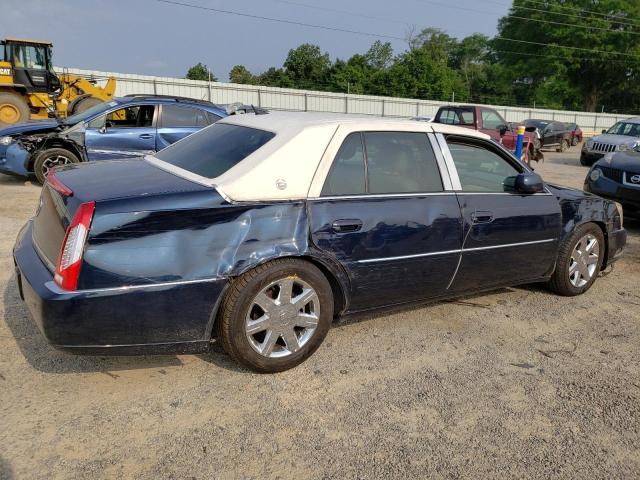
(590, 50)
(344, 12)
(279, 20)
(537, 20)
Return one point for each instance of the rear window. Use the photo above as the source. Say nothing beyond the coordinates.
(214, 150)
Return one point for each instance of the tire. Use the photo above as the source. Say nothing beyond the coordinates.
(574, 141)
(564, 146)
(564, 282)
(241, 310)
(83, 104)
(584, 162)
(49, 158)
(13, 109)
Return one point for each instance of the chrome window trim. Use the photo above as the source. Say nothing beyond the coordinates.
(458, 251)
(448, 159)
(442, 166)
(374, 196)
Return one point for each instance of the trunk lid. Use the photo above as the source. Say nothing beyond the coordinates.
(96, 181)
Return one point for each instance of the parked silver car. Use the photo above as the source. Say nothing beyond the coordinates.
(624, 135)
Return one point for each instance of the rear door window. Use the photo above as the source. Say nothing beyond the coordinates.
(179, 116)
(212, 151)
(138, 116)
(384, 163)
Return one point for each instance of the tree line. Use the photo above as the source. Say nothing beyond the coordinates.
(566, 54)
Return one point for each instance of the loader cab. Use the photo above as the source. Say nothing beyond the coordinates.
(31, 64)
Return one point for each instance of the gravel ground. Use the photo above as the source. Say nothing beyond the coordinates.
(517, 383)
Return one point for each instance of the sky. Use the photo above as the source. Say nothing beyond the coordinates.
(154, 38)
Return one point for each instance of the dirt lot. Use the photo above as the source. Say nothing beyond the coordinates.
(518, 383)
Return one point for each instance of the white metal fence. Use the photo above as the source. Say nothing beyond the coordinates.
(306, 100)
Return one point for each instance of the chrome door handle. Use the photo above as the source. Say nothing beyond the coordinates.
(482, 217)
(345, 226)
(146, 136)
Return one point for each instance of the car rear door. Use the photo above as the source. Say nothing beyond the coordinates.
(177, 121)
(127, 132)
(509, 237)
(387, 214)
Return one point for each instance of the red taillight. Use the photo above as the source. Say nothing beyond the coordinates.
(55, 183)
(70, 258)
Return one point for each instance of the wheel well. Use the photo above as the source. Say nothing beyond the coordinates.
(603, 227)
(56, 143)
(339, 297)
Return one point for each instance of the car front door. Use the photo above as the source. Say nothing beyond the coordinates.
(123, 133)
(509, 237)
(178, 121)
(389, 217)
(492, 123)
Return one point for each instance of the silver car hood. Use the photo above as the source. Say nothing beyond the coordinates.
(615, 139)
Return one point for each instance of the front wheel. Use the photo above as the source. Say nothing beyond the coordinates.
(276, 315)
(574, 141)
(51, 158)
(564, 146)
(579, 261)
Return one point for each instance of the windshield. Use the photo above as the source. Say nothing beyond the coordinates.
(539, 124)
(215, 149)
(90, 112)
(625, 128)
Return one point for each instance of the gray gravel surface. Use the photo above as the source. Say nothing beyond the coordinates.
(516, 383)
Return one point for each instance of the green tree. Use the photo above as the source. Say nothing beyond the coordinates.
(380, 55)
(307, 67)
(240, 74)
(201, 72)
(573, 76)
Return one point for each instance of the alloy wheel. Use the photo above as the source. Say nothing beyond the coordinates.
(584, 261)
(54, 161)
(282, 317)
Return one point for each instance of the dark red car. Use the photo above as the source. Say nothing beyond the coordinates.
(576, 133)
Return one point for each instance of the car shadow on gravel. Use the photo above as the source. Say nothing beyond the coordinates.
(11, 180)
(45, 358)
(6, 472)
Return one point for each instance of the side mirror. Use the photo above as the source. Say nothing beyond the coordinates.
(604, 131)
(103, 129)
(529, 183)
(502, 129)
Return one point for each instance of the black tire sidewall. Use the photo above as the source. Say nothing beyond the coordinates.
(42, 156)
(237, 340)
(562, 283)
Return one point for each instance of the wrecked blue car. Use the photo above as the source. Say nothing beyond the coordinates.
(124, 127)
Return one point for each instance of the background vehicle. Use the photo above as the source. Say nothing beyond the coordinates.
(30, 89)
(617, 177)
(576, 133)
(550, 133)
(121, 128)
(490, 122)
(299, 217)
(623, 135)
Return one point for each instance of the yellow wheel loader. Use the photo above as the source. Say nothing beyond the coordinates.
(31, 90)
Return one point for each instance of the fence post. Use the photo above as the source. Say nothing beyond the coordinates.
(553, 115)
(346, 104)
(417, 109)
(383, 107)
(305, 102)
(595, 124)
(155, 89)
(209, 85)
(259, 98)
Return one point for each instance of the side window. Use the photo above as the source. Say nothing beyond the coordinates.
(139, 116)
(211, 118)
(346, 176)
(401, 162)
(449, 117)
(176, 116)
(491, 120)
(481, 170)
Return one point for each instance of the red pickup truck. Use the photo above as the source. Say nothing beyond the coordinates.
(487, 120)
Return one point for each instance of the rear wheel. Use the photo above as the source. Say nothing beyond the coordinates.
(51, 158)
(276, 315)
(574, 141)
(13, 109)
(564, 146)
(579, 261)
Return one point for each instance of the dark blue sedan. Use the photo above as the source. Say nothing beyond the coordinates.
(261, 229)
(124, 127)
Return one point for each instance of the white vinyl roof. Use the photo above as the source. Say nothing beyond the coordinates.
(304, 145)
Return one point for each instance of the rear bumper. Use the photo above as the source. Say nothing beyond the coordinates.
(173, 317)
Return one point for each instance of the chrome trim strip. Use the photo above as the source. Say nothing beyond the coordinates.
(382, 195)
(442, 166)
(546, 193)
(53, 287)
(448, 158)
(404, 257)
(137, 153)
(460, 250)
